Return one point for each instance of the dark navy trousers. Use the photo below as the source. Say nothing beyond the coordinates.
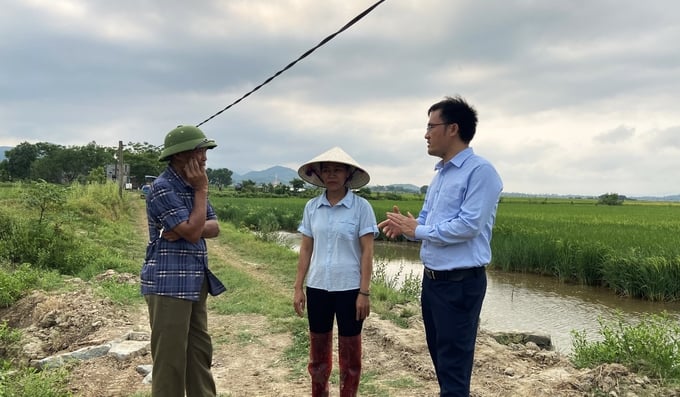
(451, 311)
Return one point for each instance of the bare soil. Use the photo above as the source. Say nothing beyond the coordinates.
(248, 358)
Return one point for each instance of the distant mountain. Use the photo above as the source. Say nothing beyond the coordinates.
(270, 175)
(675, 197)
(284, 175)
(396, 188)
(3, 149)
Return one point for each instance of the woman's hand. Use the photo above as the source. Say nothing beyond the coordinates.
(363, 307)
(299, 301)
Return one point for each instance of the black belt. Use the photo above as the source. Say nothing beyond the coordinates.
(454, 275)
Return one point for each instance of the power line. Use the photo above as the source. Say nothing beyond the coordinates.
(290, 65)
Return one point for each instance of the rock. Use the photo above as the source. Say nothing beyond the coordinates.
(532, 346)
(515, 337)
(124, 349)
(129, 349)
(90, 352)
(138, 336)
(49, 319)
(86, 353)
(144, 369)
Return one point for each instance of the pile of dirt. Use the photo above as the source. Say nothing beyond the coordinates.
(66, 321)
(248, 359)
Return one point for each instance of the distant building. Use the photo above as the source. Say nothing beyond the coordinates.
(112, 173)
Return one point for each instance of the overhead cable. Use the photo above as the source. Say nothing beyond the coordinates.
(324, 41)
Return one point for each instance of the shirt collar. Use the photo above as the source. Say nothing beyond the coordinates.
(457, 160)
(177, 176)
(346, 201)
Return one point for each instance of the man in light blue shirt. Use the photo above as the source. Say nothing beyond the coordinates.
(455, 227)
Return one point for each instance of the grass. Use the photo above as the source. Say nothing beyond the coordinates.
(650, 347)
(28, 382)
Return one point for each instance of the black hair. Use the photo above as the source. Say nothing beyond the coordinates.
(457, 110)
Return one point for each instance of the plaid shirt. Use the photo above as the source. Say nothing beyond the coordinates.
(175, 268)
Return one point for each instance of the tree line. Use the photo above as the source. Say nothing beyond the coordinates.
(64, 165)
(87, 164)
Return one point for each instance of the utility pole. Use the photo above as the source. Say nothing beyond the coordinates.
(121, 170)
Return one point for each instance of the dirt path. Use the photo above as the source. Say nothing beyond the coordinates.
(248, 357)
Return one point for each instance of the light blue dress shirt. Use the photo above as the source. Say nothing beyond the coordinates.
(336, 255)
(458, 213)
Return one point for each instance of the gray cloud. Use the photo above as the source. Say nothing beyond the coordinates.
(556, 84)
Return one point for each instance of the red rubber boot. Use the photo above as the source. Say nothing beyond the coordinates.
(320, 362)
(349, 352)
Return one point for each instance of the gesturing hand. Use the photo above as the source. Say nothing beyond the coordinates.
(397, 224)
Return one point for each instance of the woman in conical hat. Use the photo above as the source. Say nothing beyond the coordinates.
(334, 267)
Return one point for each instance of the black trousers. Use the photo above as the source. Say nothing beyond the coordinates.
(451, 309)
(325, 306)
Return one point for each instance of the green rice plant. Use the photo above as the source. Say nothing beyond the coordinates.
(652, 277)
(650, 347)
(630, 249)
(249, 212)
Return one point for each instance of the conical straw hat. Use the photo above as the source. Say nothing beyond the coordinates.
(310, 171)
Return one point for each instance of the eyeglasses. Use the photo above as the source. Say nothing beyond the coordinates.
(431, 126)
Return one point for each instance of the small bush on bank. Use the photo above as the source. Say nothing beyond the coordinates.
(650, 347)
(28, 382)
(10, 341)
(15, 282)
(46, 245)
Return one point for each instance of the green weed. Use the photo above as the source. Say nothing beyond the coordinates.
(650, 347)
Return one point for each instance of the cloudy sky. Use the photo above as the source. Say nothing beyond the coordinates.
(573, 96)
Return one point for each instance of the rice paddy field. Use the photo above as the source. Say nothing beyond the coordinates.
(632, 249)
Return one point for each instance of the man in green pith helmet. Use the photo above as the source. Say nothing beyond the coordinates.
(175, 277)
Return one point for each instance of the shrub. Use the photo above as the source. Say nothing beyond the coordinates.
(650, 347)
(15, 282)
(28, 382)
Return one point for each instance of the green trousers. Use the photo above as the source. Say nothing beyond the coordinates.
(181, 348)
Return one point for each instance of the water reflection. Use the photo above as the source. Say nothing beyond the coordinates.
(524, 302)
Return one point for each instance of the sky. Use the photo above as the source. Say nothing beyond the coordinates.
(573, 96)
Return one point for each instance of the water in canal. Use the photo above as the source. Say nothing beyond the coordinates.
(524, 302)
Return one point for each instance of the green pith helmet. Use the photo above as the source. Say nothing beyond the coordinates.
(183, 138)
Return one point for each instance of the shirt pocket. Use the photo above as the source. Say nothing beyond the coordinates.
(346, 230)
(451, 198)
